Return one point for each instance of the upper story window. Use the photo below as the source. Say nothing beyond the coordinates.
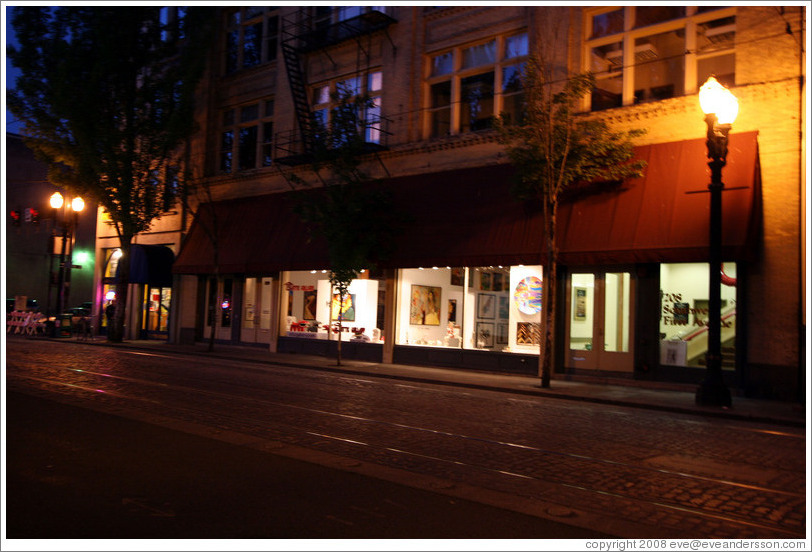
(246, 140)
(469, 85)
(325, 96)
(251, 38)
(648, 53)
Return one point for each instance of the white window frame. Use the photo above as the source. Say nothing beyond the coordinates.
(457, 74)
(630, 34)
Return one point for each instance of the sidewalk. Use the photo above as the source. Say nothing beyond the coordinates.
(633, 393)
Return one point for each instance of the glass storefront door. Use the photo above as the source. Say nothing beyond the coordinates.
(599, 321)
(156, 311)
(256, 307)
(219, 307)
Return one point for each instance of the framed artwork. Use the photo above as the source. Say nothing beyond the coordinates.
(485, 305)
(457, 276)
(528, 333)
(452, 310)
(309, 311)
(504, 306)
(485, 281)
(484, 334)
(347, 308)
(424, 309)
(579, 311)
(502, 333)
(527, 295)
(497, 281)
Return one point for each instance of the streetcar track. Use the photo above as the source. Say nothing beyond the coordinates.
(585, 458)
(256, 425)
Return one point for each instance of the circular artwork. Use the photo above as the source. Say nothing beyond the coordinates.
(528, 295)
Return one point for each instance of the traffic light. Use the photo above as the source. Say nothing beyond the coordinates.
(15, 217)
(32, 215)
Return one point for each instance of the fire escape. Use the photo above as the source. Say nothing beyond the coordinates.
(314, 30)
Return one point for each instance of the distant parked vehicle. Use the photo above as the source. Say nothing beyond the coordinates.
(31, 305)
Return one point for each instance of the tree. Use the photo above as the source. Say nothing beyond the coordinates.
(355, 217)
(106, 95)
(553, 148)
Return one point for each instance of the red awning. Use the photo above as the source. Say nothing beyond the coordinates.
(665, 215)
(467, 217)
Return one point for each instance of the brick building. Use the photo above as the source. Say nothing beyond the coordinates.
(461, 287)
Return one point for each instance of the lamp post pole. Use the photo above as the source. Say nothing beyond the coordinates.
(713, 391)
(67, 227)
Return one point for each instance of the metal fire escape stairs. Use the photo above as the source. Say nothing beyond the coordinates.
(302, 34)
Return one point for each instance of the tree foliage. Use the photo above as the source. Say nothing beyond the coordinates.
(554, 148)
(106, 95)
(356, 218)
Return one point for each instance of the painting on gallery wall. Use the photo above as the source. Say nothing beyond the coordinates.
(424, 309)
(486, 305)
(484, 334)
(347, 308)
(528, 333)
(309, 305)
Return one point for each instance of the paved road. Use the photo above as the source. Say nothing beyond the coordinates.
(75, 473)
(624, 472)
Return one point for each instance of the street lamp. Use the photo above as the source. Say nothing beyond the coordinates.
(720, 107)
(67, 229)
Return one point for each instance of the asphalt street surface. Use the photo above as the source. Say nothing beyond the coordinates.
(562, 465)
(75, 473)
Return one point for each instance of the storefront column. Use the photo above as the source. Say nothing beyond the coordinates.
(390, 315)
(276, 310)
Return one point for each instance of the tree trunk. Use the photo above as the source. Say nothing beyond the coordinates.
(549, 293)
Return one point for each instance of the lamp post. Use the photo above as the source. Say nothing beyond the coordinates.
(70, 218)
(720, 107)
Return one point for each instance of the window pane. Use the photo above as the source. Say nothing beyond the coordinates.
(441, 94)
(648, 15)
(375, 81)
(659, 66)
(228, 117)
(442, 64)
(226, 143)
(512, 78)
(248, 148)
(232, 51)
(719, 34)
(252, 45)
(481, 54)
(372, 119)
(477, 102)
(607, 23)
(616, 312)
(321, 95)
(607, 65)
(516, 46)
(583, 296)
(272, 35)
(351, 87)
(267, 144)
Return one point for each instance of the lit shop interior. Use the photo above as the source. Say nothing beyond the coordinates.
(684, 313)
(493, 308)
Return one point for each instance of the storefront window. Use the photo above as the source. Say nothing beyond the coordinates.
(489, 308)
(311, 308)
(684, 314)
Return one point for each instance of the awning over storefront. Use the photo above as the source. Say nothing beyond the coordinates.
(151, 265)
(467, 217)
(665, 215)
